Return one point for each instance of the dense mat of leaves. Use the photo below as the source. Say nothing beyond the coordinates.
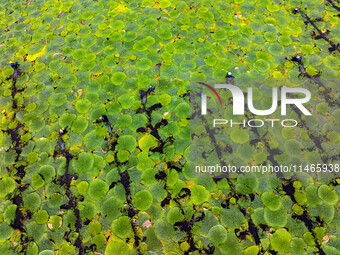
(70, 185)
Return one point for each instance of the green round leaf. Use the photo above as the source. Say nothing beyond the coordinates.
(182, 110)
(79, 53)
(5, 232)
(121, 227)
(95, 228)
(142, 200)
(220, 35)
(79, 125)
(187, 65)
(275, 49)
(37, 181)
(98, 189)
(168, 72)
(57, 99)
(293, 148)
(271, 201)
(99, 241)
(331, 62)
(7, 186)
(83, 105)
(113, 108)
(55, 200)
(66, 119)
(117, 247)
(82, 187)
(110, 208)
(41, 217)
(246, 152)
(328, 195)
(232, 218)
(32, 201)
(147, 142)
(163, 230)
(129, 36)
(55, 65)
(47, 172)
(247, 185)
(143, 64)
(280, 241)
(93, 141)
(118, 78)
(262, 66)
(126, 101)
(174, 215)
(127, 142)
(199, 195)
(123, 156)
(47, 252)
(276, 218)
(240, 136)
(84, 163)
(88, 41)
(87, 210)
(217, 234)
